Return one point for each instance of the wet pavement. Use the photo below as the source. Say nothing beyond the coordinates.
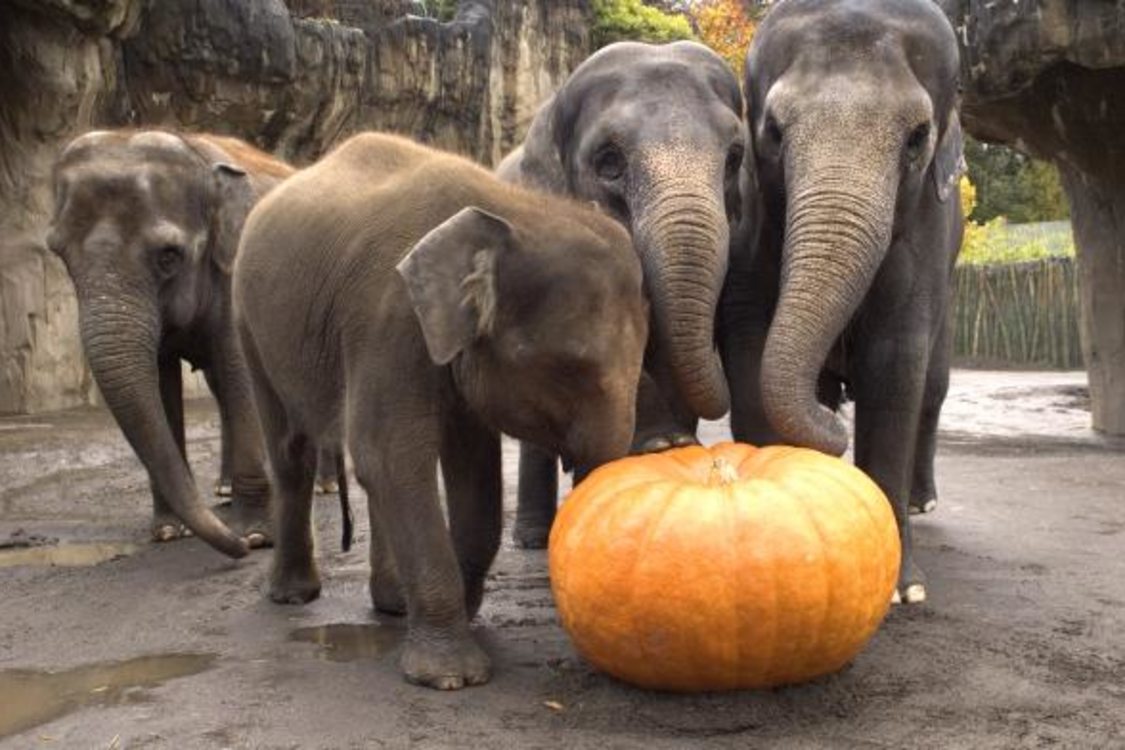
(109, 641)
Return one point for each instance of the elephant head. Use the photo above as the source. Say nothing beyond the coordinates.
(853, 113)
(495, 296)
(147, 224)
(655, 136)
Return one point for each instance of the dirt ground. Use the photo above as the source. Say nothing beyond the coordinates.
(1021, 643)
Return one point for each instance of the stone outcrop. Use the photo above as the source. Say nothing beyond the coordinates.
(293, 80)
(1048, 77)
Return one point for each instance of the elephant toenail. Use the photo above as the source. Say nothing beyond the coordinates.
(915, 593)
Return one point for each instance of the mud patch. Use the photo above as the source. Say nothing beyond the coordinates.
(349, 642)
(65, 555)
(20, 539)
(31, 698)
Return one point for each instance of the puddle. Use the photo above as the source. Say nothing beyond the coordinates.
(348, 642)
(65, 555)
(31, 698)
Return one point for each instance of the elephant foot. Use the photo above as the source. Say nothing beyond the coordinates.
(249, 520)
(168, 528)
(386, 596)
(915, 593)
(660, 443)
(923, 505)
(223, 488)
(295, 586)
(326, 487)
(531, 535)
(911, 586)
(444, 664)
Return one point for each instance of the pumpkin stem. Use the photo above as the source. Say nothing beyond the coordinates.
(722, 472)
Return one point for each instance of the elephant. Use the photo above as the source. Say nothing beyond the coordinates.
(329, 478)
(147, 224)
(655, 136)
(428, 307)
(842, 286)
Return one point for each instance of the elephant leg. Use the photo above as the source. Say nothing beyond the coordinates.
(663, 421)
(537, 498)
(166, 525)
(327, 481)
(223, 486)
(294, 578)
(888, 379)
(743, 326)
(249, 512)
(384, 584)
(401, 483)
(470, 464)
(923, 493)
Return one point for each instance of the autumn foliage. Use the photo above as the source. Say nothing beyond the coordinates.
(725, 26)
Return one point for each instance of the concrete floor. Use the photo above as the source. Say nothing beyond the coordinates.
(1021, 644)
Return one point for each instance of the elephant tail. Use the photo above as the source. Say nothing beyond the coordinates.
(345, 506)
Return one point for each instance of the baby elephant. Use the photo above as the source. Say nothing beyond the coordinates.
(409, 300)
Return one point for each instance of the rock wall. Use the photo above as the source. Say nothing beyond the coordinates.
(294, 83)
(1048, 77)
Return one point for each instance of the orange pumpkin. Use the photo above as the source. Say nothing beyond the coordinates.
(724, 567)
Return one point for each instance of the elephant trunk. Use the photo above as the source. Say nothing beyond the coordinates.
(838, 227)
(683, 238)
(125, 369)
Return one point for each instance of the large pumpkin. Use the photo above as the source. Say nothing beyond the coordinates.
(723, 567)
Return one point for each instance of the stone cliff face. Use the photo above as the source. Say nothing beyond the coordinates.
(1048, 77)
(292, 82)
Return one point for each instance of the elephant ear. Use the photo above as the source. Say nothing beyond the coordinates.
(949, 159)
(233, 195)
(540, 164)
(451, 280)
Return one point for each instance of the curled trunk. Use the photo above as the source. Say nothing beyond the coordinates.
(683, 238)
(838, 227)
(125, 368)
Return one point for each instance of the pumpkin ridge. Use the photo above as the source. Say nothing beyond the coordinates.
(658, 518)
(592, 526)
(771, 457)
(732, 509)
(814, 647)
(601, 489)
(770, 668)
(685, 458)
(876, 526)
(865, 499)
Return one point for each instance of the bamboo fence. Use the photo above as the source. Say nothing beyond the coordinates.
(1018, 314)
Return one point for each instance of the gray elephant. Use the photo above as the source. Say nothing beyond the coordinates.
(510, 311)
(654, 135)
(147, 223)
(330, 476)
(846, 280)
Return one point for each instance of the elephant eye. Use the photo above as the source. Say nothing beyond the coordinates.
(772, 130)
(916, 143)
(169, 258)
(609, 163)
(734, 161)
